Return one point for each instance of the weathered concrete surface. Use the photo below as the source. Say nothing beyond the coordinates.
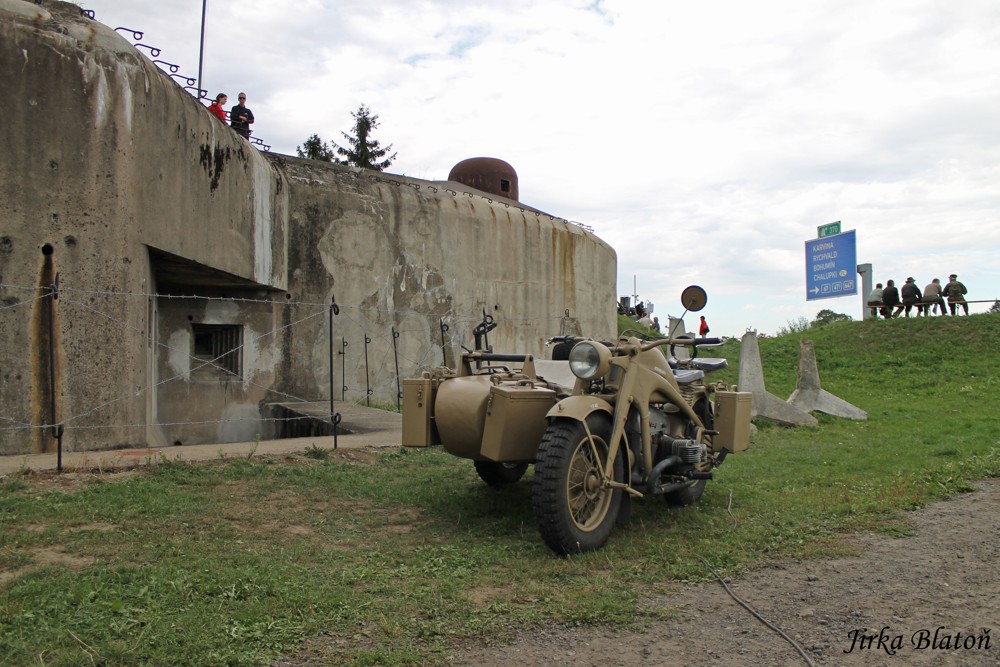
(808, 394)
(104, 158)
(765, 404)
(157, 217)
(399, 256)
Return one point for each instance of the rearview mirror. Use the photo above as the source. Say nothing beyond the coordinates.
(694, 298)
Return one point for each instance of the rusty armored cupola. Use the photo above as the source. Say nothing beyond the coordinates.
(487, 174)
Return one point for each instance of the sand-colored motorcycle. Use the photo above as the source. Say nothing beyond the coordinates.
(603, 422)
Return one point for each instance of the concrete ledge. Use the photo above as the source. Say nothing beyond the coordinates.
(375, 428)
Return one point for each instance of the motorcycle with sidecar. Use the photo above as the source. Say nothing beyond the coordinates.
(603, 422)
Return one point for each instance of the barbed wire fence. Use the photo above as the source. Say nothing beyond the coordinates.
(378, 348)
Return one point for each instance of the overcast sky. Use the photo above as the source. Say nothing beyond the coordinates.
(704, 141)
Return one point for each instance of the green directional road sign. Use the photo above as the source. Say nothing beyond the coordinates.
(828, 230)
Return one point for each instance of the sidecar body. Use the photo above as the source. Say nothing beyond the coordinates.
(486, 412)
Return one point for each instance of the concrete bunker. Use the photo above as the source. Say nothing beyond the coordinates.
(196, 273)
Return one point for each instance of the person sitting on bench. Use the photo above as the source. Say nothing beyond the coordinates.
(933, 299)
(875, 299)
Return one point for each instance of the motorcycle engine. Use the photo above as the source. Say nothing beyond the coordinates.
(689, 451)
(658, 422)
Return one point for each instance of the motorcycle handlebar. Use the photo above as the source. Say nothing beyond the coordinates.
(689, 342)
(574, 339)
(692, 342)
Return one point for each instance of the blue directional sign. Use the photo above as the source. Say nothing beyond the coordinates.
(831, 266)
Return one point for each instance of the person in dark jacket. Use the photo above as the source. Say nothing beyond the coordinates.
(240, 117)
(912, 296)
(956, 292)
(890, 300)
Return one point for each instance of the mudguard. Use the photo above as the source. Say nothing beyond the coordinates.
(579, 407)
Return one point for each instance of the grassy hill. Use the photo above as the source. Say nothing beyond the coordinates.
(390, 558)
(930, 387)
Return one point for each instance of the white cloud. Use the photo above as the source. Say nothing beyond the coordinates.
(704, 141)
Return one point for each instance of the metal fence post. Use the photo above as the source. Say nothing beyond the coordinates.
(368, 387)
(395, 356)
(334, 415)
(57, 429)
(343, 369)
(444, 357)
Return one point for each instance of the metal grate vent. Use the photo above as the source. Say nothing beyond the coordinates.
(220, 345)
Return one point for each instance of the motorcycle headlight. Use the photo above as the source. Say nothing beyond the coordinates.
(589, 360)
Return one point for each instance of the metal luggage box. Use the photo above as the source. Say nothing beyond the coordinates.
(419, 429)
(515, 421)
(732, 420)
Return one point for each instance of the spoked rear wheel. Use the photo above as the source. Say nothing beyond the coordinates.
(574, 510)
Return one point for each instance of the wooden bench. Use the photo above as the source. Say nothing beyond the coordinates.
(921, 304)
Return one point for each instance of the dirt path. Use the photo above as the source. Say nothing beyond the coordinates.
(945, 575)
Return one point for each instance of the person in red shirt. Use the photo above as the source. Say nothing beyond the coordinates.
(703, 329)
(216, 106)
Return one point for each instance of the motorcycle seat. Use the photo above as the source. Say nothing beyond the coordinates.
(687, 376)
(709, 364)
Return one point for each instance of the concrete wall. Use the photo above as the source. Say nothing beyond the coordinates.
(119, 181)
(104, 156)
(405, 254)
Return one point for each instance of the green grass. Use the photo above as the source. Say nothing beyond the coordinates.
(626, 323)
(395, 560)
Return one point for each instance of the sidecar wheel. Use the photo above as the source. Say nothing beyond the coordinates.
(575, 513)
(499, 475)
(689, 495)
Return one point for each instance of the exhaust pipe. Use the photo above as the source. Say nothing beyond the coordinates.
(658, 470)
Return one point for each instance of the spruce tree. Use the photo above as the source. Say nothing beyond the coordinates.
(364, 151)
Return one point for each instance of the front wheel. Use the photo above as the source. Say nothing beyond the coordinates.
(574, 510)
(499, 475)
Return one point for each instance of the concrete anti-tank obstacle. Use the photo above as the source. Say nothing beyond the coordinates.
(809, 396)
(765, 404)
